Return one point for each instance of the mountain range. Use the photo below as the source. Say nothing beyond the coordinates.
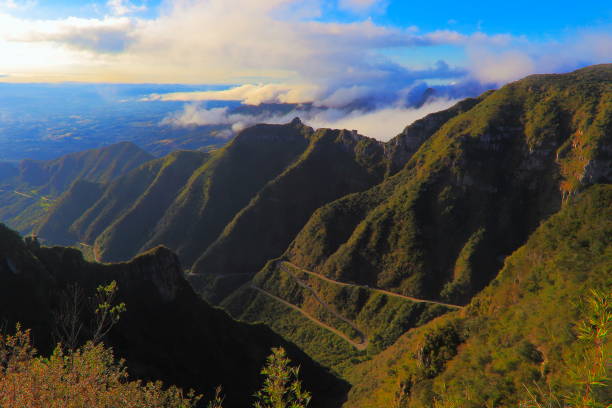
(410, 269)
(29, 190)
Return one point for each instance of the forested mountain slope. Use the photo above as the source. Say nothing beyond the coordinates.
(521, 331)
(472, 193)
(440, 228)
(167, 332)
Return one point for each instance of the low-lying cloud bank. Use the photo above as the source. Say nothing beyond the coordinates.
(382, 124)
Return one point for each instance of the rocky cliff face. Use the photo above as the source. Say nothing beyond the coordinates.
(400, 149)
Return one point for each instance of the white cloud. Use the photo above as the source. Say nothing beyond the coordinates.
(344, 96)
(513, 59)
(123, 7)
(382, 124)
(277, 50)
(220, 41)
(111, 34)
(248, 94)
(194, 114)
(17, 5)
(500, 67)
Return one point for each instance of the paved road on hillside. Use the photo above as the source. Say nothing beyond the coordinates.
(385, 292)
(27, 195)
(358, 345)
(23, 194)
(330, 309)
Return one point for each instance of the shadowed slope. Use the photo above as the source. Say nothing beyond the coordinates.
(185, 199)
(167, 332)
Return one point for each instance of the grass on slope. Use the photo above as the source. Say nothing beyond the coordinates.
(363, 315)
(520, 330)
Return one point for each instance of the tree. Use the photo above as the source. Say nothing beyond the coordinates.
(217, 401)
(107, 313)
(68, 320)
(74, 307)
(281, 388)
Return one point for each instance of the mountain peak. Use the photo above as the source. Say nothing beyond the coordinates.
(161, 267)
(288, 132)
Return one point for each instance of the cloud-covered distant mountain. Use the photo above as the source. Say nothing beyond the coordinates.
(45, 121)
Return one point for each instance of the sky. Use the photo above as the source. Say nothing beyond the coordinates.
(335, 54)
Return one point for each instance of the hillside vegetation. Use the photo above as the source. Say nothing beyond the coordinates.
(440, 228)
(521, 331)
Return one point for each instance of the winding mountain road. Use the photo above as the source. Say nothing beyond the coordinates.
(363, 344)
(27, 195)
(23, 194)
(330, 309)
(385, 292)
(358, 345)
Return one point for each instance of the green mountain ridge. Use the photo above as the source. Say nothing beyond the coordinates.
(96, 165)
(30, 190)
(194, 207)
(514, 166)
(334, 164)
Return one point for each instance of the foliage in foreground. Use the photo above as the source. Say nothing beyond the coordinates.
(91, 377)
(88, 377)
(281, 388)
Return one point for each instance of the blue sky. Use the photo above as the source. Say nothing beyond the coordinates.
(329, 53)
(519, 17)
(536, 19)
